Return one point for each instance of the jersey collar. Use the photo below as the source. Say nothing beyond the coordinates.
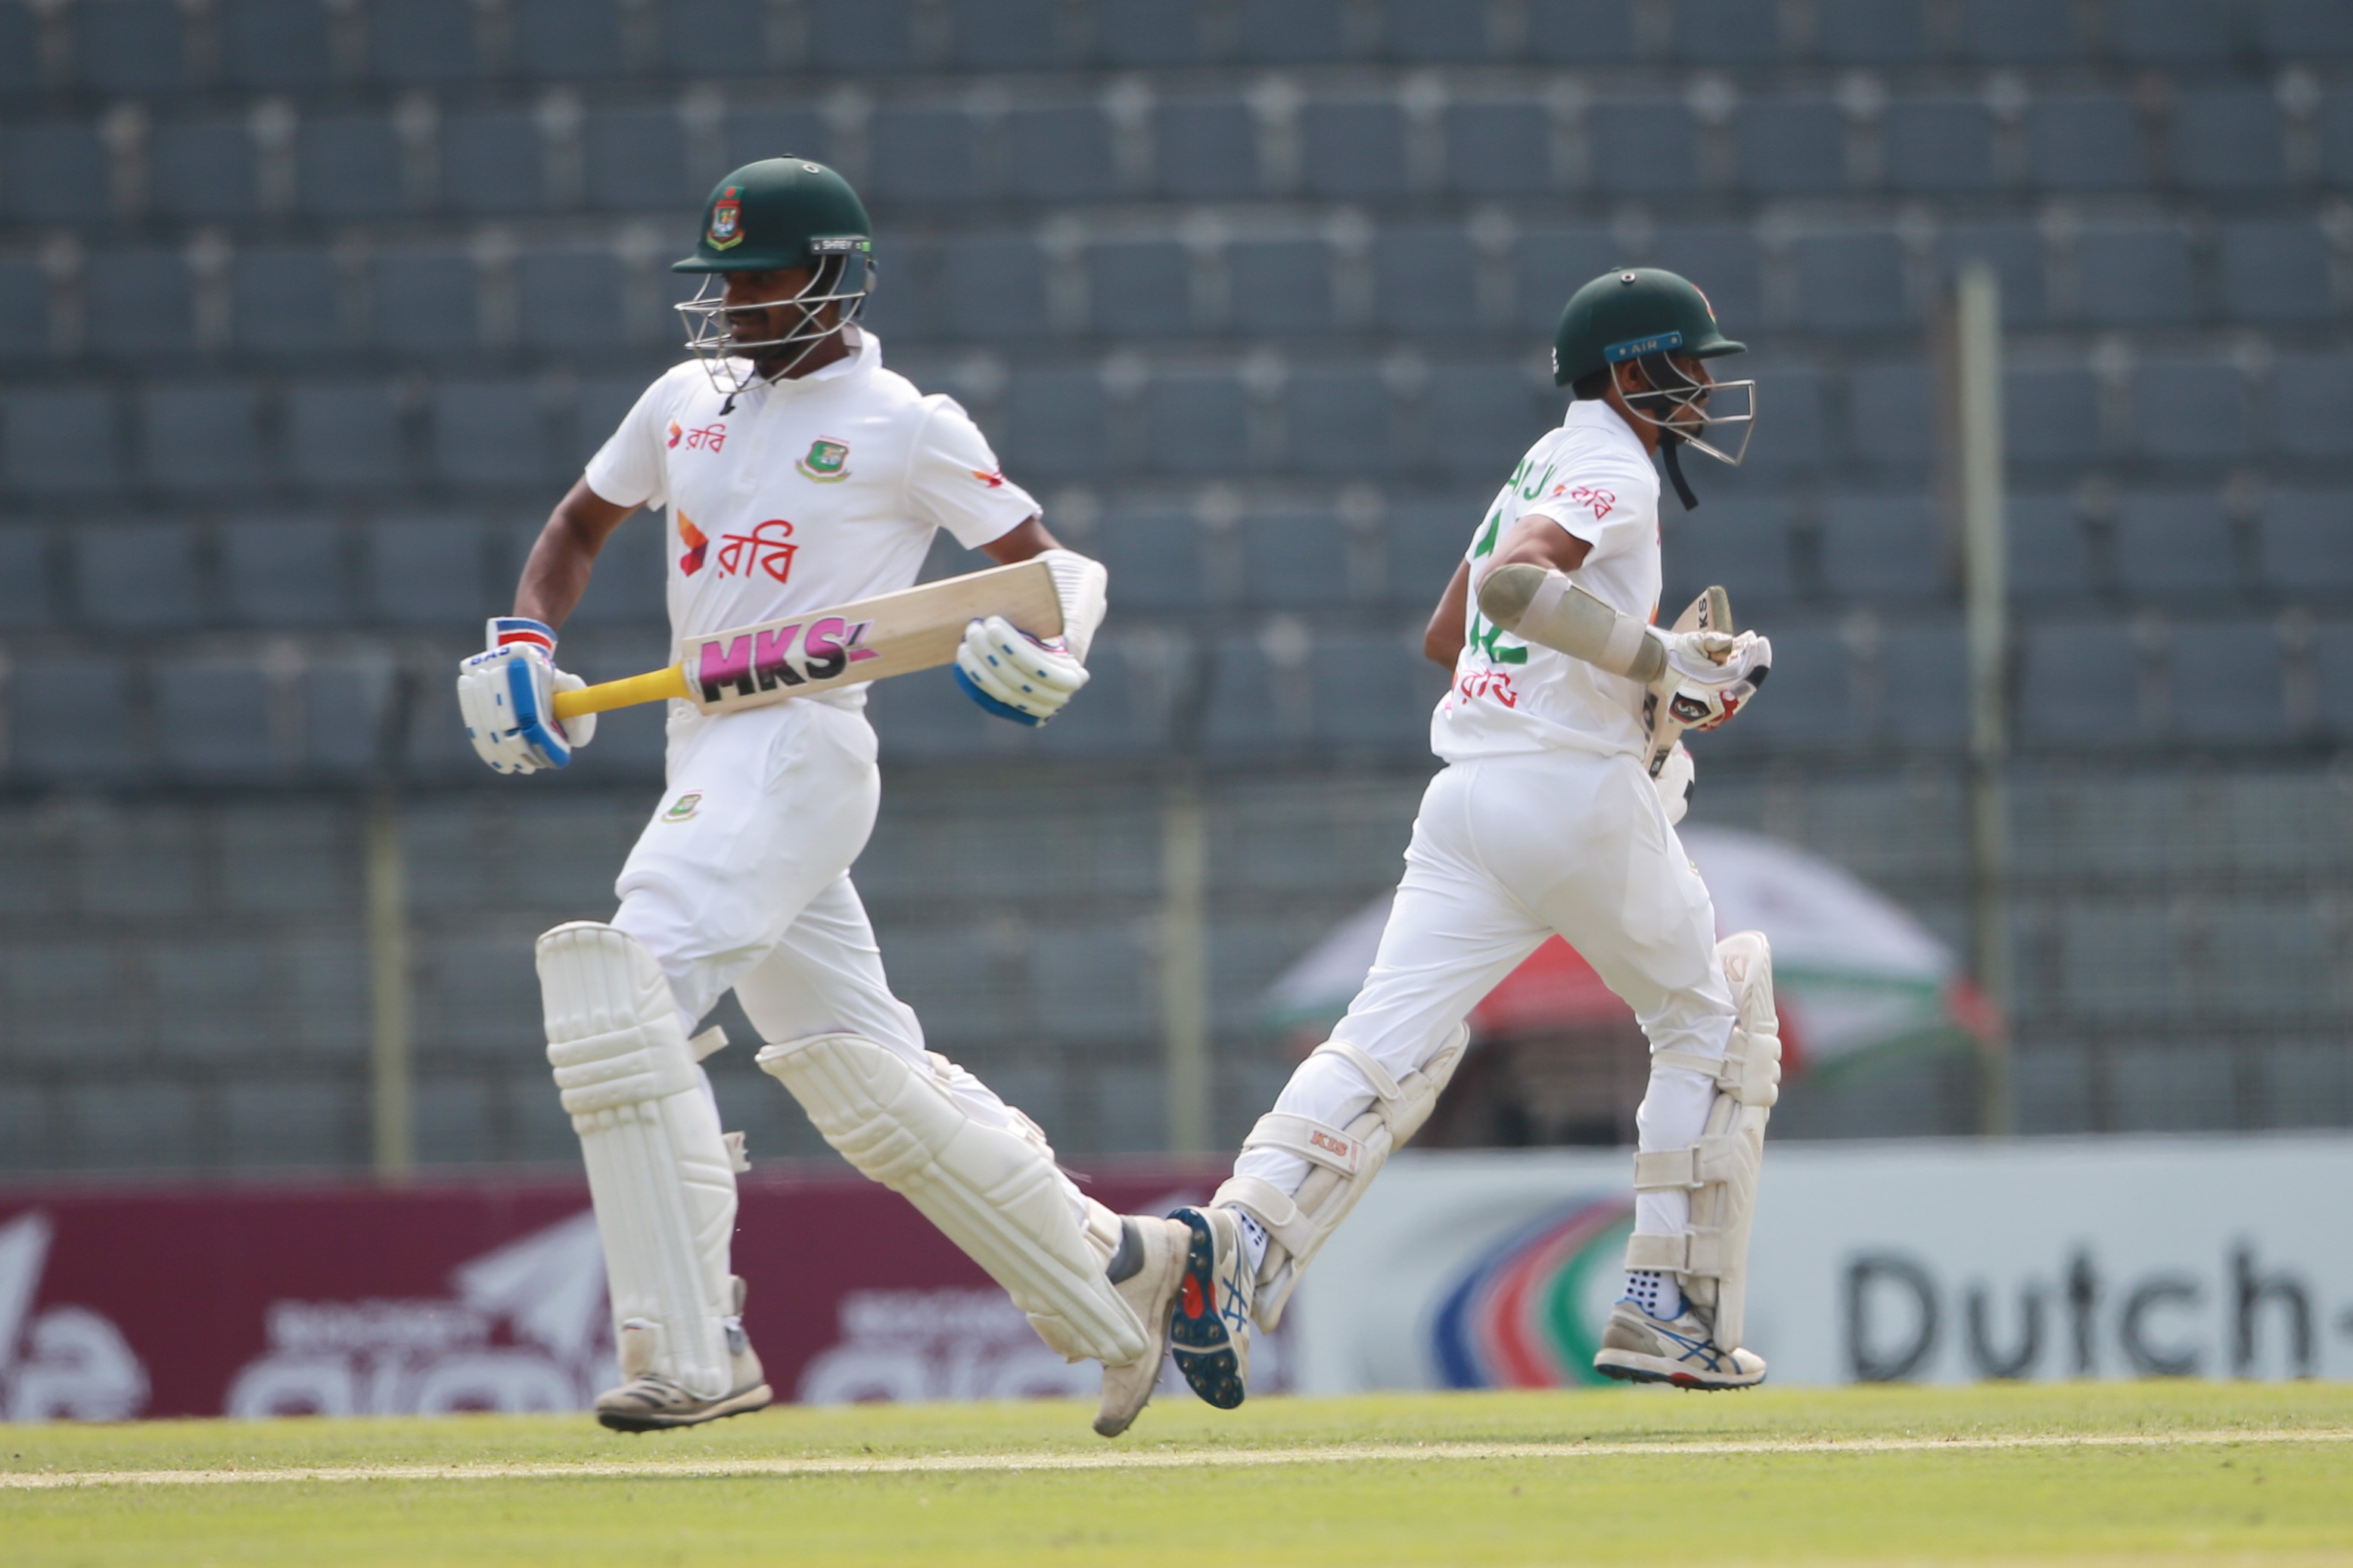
(868, 357)
(1593, 412)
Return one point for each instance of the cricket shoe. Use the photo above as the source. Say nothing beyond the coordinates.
(1210, 1329)
(1639, 1348)
(1146, 1272)
(649, 1402)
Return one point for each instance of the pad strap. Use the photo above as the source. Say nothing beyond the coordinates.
(1377, 1077)
(1320, 1141)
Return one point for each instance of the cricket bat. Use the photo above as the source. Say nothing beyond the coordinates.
(1711, 611)
(873, 640)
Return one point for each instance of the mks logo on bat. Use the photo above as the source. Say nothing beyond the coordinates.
(763, 660)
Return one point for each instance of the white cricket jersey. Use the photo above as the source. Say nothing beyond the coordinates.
(807, 492)
(1592, 477)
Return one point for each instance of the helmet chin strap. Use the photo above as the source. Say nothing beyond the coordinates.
(1670, 447)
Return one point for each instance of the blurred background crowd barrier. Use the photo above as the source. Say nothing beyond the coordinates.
(310, 309)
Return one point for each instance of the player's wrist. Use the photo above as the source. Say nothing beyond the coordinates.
(520, 632)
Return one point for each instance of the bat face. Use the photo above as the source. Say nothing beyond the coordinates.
(747, 668)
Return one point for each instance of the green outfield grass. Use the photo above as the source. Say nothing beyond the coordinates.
(2112, 1473)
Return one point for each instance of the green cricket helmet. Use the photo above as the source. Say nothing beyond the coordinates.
(1649, 315)
(767, 217)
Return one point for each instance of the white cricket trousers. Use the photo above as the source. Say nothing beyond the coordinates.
(741, 879)
(1508, 851)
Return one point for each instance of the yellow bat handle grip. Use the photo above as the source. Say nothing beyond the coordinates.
(654, 686)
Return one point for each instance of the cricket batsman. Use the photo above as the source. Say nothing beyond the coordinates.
(796, 473)
(1546, 820)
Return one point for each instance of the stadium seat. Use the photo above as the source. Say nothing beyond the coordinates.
(1742, 544)
(1870, 32)
(2135, 274)
(1140, 289)
(2087, 143)
(1644, 148)
(1723, 259)
(1196, 423)
(1279, 288)
(637, 163)
(2302, 29)
(1341, 422)
(569, 40)
(632, 575)
(23, 308)
(138, 576)
(20, 49)
(1205, 148)
(1726, 31)
(1154, 554)
(1425, 542)
(1294, 560)
(1058, 426)
(994, 286)
(1481, 418)
(1582, 32)
(1149, 33)
(131, 46)
(1353, 148)
(1432, 32)
(1792, 147)
(2015, 251)
(570, 298)
(284, 301)
(1498, 148)
(1008, 35)
(2171, 31)
(217, 727)
(2227, 683)
(860, 34)
(73, 720)
(423, 300)
(492, 163)
(1882, 548)
(1923, 685)
(23, 578)
(421, 42)
(343, 437)
(1939, 145)
(349, 166)
(1810, 701)
(1423, 280)
(2312, 404)
(2228, 139)
(904, 307)
(2017, 32)
(2050, 554)
(755, 134)
(1892, 415)
(2190, 408)
(2050, 413)
(54, 174)
(598, 409)
(1789, 438)
(1291, 32)
(203, 169)
(2275, 272)
(201, 436)
(2119, 962)
(276, 43)
(1850, 280)
(1110, 721)
(422, 570)
(143, 301)
(489, 432)
(2307, 545)
(1061, 152)
(2175, 546)
(1374, 693)
(285, 574)
(62, 443)
(922, 154)
(716, 38)
(1554, 263)
(2065, 664)
(1255, 707)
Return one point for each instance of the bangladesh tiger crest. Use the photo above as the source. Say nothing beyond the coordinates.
(726, 220)
(824, 461)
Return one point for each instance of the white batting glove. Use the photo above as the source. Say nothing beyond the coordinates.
(507, 696)
(1711, 676)
(1673, 780)
(1013, 675)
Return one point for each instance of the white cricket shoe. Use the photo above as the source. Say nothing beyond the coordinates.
(1639, 1348)
(651, 1403)
(1147, 1272)
(1210, 1329)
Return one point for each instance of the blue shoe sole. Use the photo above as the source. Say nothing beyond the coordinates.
(1204, 1352)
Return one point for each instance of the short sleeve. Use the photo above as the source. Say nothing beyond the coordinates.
(954, 480)
(627, 470)
(1599, 500)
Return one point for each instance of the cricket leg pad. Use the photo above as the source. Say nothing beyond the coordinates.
(1710, 1257)
(661, 1173)
(995, 1191)
(1341, 1164)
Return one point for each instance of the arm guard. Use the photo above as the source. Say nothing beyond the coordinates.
(1543, 606)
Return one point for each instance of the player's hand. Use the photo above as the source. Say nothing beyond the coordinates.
(1673, 782)
(1710, 676)
(507, 696)
(1013, 675)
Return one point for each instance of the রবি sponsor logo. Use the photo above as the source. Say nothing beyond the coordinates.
(1528, 1312)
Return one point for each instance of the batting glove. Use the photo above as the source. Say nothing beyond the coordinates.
(507, 696)
(1013, 675)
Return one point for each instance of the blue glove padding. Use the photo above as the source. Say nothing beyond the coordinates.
(991, 705)
(1013, 675)
(507, 697)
